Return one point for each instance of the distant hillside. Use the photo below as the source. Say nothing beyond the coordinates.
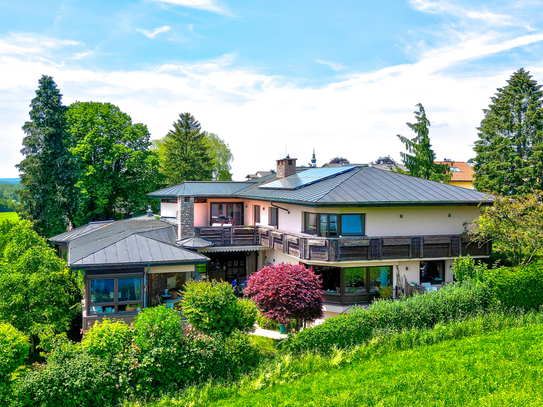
(10, 180)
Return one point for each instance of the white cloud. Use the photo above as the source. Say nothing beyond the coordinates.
(208, 5)
(332, 65)
(445, 7)
(357, 117)
(152, 34)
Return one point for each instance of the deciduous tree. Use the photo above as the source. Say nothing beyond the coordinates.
(515, 227)
(221, 157)
(116, 165)
(509, 151)
(285, 291)
(420, 156)
(37, 290)
(48, 171)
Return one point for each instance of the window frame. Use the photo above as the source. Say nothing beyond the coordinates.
(241, 219)
(115, 303)
(273, 217)
(363, 223)
(339, 223)
(305, 228)
(256, 214)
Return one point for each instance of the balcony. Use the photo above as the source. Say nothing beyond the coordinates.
(316, 248)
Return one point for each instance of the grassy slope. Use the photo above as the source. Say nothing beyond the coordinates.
(503, 368)
(8, 215)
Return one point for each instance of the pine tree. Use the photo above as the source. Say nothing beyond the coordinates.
(48, 172)
(510, 146)
(420, 157)
(186, 156)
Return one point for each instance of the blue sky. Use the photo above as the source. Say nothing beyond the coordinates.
(342, 77)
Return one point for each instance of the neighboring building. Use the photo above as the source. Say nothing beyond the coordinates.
(359, 227)
(462, 175)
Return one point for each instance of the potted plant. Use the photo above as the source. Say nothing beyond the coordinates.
(131, 307)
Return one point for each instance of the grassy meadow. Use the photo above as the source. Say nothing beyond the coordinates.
(490, 368)
(8, 216)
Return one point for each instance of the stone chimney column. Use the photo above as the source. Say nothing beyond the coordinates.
(286, 166)
(185, 217)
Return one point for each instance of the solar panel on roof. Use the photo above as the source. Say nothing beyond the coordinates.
(306, 177)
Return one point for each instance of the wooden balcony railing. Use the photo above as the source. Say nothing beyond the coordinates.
(345, 248)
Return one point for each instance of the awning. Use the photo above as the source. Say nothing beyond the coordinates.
(251, 248)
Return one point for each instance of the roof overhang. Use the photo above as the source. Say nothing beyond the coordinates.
(249, 248)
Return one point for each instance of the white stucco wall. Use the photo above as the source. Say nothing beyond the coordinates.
(168, 210)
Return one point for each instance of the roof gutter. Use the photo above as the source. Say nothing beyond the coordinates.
(276, 206)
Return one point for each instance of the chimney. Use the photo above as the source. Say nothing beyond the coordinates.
(286, 166)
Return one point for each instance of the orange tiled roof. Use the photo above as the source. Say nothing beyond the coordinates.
(465, 174)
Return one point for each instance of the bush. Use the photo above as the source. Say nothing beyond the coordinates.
(157, 327)
(265, 323)
(14, 348)
(465, 268)
(81, 381)
(452, 302)
(107, 339)
(517, 286)
(212, 307)
(284, 291)
(167, 365)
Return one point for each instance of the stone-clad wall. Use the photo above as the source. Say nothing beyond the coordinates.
(185, 217)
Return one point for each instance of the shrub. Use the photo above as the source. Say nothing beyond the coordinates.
(265, 323)
(212, 307)
(517, 286)
(107, 339)
(285, 291)
(452, 302)
(81, 381)
(465, 268)
(168, 365)
(14, 348)
(156, 327)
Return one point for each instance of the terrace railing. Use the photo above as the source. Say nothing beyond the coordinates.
(317, 248)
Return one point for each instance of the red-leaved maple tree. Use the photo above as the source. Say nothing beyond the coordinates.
(285, 291)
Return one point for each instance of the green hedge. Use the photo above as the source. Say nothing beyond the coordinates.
(452, 302)
(517, 286)
(14, 349)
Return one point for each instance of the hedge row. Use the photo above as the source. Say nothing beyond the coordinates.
(452, 302)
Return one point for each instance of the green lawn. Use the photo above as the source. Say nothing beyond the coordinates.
(8, 215)
(503, 368)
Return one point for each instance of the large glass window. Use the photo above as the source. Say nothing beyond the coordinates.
(379, 277)
(114, 294)
(355, 280)
(310, 223)
(331, 281)
(353, 224)
(328, 225)
(167, 288)
(226, 214)
(432, 272)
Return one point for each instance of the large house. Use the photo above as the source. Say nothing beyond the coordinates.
(359, 227)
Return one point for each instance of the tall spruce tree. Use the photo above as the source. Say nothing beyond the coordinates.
(420, 157)
(48, 172)
(509, 151)
(186, 156)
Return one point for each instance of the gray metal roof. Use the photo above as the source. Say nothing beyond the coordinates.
(136, 241)
(80, 231)
(195, 243)
(363, 186)
(202, 188)
(367, 186)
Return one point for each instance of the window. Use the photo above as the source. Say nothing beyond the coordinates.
(274, 217)
(353, 224)
(256, 215)
(114, 294)
(168, 200)
(330, 225)
(310, 223)
(166, 288)
(455, 169)
(327, 225)
(367, 280)
(226, 214)
(432, 272)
